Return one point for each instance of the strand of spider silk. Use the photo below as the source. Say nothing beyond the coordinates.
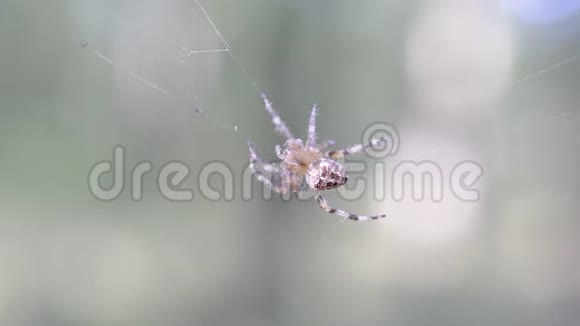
(229, 49)
(199, 110)
(212, 120)
(544, 71)
(235, 129)
(535, 75)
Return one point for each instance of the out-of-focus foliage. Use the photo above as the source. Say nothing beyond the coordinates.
(461, 80)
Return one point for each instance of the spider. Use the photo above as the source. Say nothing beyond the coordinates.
(312, 162)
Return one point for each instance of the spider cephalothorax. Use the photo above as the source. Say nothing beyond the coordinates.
(308, 161)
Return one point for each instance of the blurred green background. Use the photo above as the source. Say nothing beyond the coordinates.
(490, 81)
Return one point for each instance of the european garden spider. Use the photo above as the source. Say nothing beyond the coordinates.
(310, 161)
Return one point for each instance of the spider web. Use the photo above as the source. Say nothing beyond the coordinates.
(173, 86)
(167, 87)
(199, 13)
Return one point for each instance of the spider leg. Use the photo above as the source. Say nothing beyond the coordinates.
(278, 123)
(281, 153)
(339, 153)
(311, 142)
(257, 163)
(327, 143)
(327, 208)
(257, 159)
(275, 187)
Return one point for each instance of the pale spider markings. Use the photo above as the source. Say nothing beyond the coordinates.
(311, 162)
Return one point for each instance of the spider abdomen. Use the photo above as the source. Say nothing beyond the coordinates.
(325, 174)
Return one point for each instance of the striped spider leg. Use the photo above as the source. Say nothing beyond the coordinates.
(340, 153)
(257, 163)
(311, 142)
(327, 143)
(327, 208)
(278, 123)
